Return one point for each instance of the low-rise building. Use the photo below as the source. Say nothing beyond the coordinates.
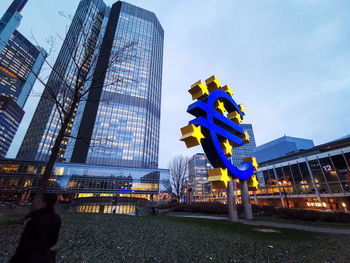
(281, 147)
(317, 178)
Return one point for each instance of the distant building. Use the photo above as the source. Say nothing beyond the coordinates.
(10, 117)
(198, 167)
(10, 21)
(20, 62)
(281, 147)
(246, 150)
(317, 178)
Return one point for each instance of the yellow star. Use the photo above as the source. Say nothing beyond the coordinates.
(218, 178)
(227, 148)
(212, 83)
(245, 137)
(253, 160)
(242, 108)
(227, 89)
(235, 117)
(191, 135)
(253, 184)
(198, 90)
(220, 107)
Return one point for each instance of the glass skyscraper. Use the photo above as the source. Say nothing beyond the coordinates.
(118, 123)
(246, 150)
(198, 167)
(20, 62)
(10, 21)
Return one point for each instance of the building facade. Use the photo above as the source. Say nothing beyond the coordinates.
(118, 123)
(10, 117)
(280, 147)
(78, 48)
(20, 63)
(10, 21)
(96, 187)
(198, 166)
(318, 178)
(246, 150)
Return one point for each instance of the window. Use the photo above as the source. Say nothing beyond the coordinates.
(331, 175)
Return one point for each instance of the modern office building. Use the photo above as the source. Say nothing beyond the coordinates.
(317, 178)
(90, 188)
(20, 63)
(280, 147)
(110, 153)
(10, 117)
(118, 124)
(198, 166)
(246, 150)
(10, 21)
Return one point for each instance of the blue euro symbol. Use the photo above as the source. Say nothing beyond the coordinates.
(216, 127)
(127, 189)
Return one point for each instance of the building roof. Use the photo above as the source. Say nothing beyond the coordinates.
(326, 147)
(281, 140)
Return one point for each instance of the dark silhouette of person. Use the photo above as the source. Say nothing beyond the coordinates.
(40, 234)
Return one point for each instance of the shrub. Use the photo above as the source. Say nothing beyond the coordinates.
(268, 211)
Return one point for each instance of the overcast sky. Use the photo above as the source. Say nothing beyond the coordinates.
(287, 62)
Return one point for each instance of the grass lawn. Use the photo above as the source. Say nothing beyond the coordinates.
(116, 238)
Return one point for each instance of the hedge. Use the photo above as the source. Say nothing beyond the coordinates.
(269, 211)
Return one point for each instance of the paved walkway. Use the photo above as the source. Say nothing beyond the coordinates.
(278, 225)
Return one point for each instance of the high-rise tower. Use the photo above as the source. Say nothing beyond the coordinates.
(10, 21)
(20, 62)
(119, 123)
(246, 150)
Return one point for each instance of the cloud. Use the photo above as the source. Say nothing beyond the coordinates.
(286, 61)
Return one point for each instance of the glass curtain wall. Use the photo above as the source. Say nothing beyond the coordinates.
(331, 175)
(126, 128)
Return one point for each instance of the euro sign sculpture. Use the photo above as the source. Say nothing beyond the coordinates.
(218, 133)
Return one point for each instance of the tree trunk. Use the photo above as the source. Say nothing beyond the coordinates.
(43, 183)
(231, 202)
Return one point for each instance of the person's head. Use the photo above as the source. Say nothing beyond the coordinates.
(49, 199)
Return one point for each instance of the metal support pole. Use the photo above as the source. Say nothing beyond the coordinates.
(341, 186)
(231, 203)
(256, 198)
(278, 186)
(235, 189)
(246, 200)
(313, 180)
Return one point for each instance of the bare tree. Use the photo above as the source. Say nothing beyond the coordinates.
(178, 168)
(167, 186)
(84, 80)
